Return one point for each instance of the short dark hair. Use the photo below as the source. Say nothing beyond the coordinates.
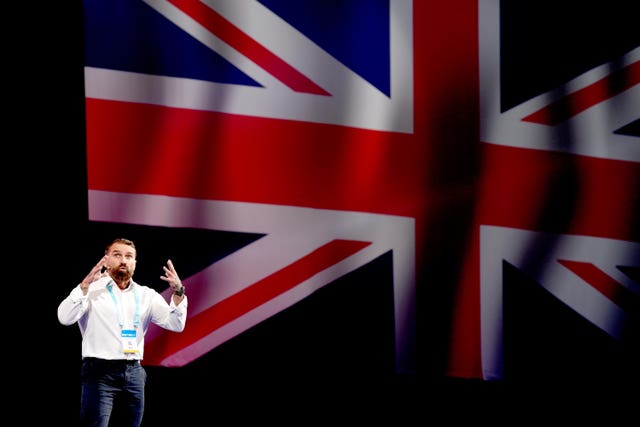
(123, 241)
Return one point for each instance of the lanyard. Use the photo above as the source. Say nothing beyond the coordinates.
(136, 317)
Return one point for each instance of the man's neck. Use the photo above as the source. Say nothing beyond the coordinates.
(123, 285)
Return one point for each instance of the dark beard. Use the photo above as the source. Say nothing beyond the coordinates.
(121, 276)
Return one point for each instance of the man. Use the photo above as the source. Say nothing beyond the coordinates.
(114, 313)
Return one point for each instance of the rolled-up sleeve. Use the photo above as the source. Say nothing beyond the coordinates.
(73, 307)
(169, 315)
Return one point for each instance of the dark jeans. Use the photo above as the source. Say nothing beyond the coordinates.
(109, 385)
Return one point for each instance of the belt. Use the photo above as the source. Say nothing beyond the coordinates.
(112, 362)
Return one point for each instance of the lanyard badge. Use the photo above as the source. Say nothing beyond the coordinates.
(128, 336)
(129, 341)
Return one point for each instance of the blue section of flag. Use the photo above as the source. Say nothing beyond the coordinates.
(128, 35)
(356, 32)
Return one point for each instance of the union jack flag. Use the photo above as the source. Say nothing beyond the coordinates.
(326, 136)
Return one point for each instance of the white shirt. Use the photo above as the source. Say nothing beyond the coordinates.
(106, 310)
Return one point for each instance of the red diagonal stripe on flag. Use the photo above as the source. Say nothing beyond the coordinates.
(605, 284)
(570, 105)
(239, 40)
(251, 297)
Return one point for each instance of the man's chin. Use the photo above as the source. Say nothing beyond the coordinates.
(121, 275)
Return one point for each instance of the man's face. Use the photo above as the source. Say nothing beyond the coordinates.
(121, 262)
